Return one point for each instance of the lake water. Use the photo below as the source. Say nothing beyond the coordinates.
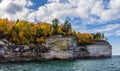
(110, 64)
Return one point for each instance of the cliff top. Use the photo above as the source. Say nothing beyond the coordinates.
(25, 33)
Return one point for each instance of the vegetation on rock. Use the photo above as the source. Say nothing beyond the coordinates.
(24, 32)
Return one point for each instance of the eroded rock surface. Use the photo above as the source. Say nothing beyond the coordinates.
(56, 47)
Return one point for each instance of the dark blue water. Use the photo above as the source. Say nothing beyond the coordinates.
(110, 64)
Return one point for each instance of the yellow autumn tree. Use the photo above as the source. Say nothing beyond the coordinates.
(60, 30)
(46, 29)
(5, 28)
(84, 38)
(24, 34)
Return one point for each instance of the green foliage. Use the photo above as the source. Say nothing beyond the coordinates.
(67, 29)
(98, 36)
(55, 26)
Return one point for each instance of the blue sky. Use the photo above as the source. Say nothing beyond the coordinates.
(85, 15)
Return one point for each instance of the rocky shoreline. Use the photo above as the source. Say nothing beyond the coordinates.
(56, 47)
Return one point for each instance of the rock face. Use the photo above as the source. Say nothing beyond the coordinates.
(56, 47)
(99, 50)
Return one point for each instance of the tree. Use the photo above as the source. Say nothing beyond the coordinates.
(55, 21)
(98, 36)
(60, 30)
(14, 37)
(5, 28)
(33, 29)
(23, 32)
(67, 28)
(47, 29)
(103, 35)
(17, 20)
(84, 38)
(55, 25)
(38, 30)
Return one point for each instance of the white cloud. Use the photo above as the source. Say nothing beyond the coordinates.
(83, 9)
(118, 33)
(113, 12)
(88, 11)
(109, 29)
(97, 9)
(15, 9)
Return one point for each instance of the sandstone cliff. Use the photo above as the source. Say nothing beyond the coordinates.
(56, 47)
